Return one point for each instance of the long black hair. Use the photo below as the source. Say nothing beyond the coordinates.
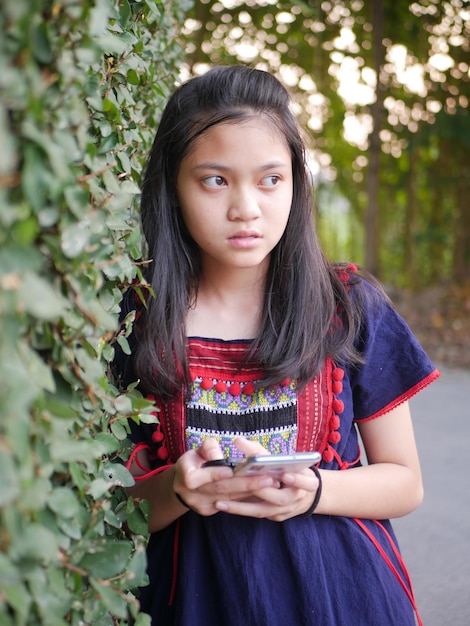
(304, 297)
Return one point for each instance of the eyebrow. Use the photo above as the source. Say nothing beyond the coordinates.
(210, 165)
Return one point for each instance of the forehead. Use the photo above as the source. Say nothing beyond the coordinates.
(266, 130)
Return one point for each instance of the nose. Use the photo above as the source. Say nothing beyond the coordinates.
(244, 204)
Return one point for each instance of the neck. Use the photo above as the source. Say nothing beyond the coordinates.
(228, 305)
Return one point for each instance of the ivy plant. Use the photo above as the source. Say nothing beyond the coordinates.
(82, 85)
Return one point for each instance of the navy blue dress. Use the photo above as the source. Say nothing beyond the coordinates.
(316, 571)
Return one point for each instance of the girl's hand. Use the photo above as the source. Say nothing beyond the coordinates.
(288, 497)
(201, 488)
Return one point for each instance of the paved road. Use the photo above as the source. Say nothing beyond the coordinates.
(435, 539)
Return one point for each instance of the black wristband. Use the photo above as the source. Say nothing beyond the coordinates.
(316, 500)
(180, 499)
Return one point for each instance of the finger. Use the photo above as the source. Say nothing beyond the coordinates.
(305, 480)
(249, 448)
(217, 473)
(239, 488)
(247, 508)
(267, 503)
(210, 450)
(270, 503)
(191, 475)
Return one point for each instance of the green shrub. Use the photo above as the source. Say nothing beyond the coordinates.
(82, 84)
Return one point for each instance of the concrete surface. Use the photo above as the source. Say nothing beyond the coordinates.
(435, 539)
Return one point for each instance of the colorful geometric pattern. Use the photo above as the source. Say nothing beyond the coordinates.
(224, 410)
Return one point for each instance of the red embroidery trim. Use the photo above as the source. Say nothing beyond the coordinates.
(334, 422)
(405, 396)
(176, 544)
(406, 584)
(133, 458)
(314, 411)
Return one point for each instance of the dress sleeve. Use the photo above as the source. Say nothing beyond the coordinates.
(395, 365)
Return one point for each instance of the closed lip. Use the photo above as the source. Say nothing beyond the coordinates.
(245, 234)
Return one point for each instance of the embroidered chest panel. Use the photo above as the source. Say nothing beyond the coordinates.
(226, 400)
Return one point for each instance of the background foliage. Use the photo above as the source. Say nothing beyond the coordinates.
(383, 89)
(82, 83)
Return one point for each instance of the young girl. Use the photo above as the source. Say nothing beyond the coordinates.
(252, 343)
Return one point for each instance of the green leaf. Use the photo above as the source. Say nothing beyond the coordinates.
(70, 450)
(99, 17)
(118, 475)
(112, 599)
(143, 620)
(111, 44)
(70, 527)
(18, 598)
(104, 443)
(9, 483)
(63, 502)
(9, 573)
(99, 488)
(106, 559)
(35, 543)
(35, 493)
(59, 408)
(18, 259)
(50, 595)
(74, 238)
(77, 199)
(37, 297)
(136, 573)
(148, 418)
(137, 522)
(40, 43)
(123, 405)
(129, 187)
(36, 178)
(119, 430)
(125, 13)
(133, 77)
(8, 143)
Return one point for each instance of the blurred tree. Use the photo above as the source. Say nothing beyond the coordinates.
(382, 88)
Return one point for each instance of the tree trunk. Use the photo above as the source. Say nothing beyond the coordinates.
(410, 271)
(371, 219)
(461, 261)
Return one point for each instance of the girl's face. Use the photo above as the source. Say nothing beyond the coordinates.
(235, 192)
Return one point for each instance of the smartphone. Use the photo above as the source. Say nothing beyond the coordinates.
(276, 464)
(229, 462)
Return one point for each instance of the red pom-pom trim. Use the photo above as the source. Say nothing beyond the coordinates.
(335, 422)
(235, 389)
(334, 437)
(158, 436)
(162, 453)
(338, 406)
(221, 387)
(207, 383)
(286, 382)
(337, 386)
(338, 373)
(248, 389)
